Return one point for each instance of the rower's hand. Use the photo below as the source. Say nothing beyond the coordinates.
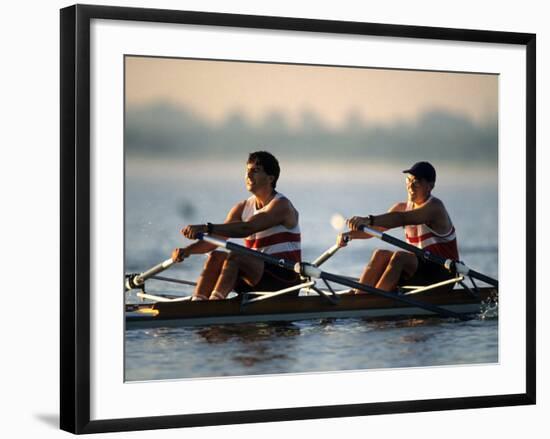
(343, 239)
(179, 254)
(355, 222)
(192, 231)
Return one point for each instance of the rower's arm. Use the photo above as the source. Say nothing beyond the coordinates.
(200, 247)
(279, 212)
(399, 218)
(358, 234)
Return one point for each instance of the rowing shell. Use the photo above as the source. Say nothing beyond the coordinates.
(188, 313)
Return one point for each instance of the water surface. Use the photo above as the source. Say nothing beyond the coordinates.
(163, 197)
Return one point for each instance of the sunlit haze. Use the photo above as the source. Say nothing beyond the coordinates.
(214, 89)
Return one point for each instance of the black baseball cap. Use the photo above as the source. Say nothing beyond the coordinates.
(422, 170)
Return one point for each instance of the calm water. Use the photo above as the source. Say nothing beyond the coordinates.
(162, 197)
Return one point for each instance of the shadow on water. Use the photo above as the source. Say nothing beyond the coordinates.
(258, 340)
(248, 333)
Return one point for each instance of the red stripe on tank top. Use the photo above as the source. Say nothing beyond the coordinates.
(277, 238)
(417, 239)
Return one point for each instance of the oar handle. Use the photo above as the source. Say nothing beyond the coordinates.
(137, 280)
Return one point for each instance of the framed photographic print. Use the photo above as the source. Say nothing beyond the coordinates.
(305, 218)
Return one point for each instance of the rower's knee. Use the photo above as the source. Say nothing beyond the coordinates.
(380, 256)
(398, 260)
(231, 260)
(215, 259)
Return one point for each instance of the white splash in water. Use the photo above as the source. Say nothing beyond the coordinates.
(489, 307)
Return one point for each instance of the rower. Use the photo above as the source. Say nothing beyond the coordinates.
(427, 225)
(269, 223)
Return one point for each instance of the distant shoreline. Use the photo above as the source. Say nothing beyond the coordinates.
(311, 170)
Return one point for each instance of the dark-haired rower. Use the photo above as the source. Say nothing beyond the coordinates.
(269, 223)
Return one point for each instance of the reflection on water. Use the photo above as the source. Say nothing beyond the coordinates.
(257, 340)
(308, 346)
(247, 333)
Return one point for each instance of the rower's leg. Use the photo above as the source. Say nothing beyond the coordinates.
(375, 268)
(251, 270)
(210, 273)
(400, 263)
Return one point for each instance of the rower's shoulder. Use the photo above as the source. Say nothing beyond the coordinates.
(436, 202)
(238, 208)
(282, 200)
(437, 207)
(398, 207)
(241, 204)
(282, 206)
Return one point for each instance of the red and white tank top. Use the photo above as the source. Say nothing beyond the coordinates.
(423, 237)
(277, 241)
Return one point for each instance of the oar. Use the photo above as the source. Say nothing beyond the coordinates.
(312, 271)
(461, 268)
(137, 280)
(338, 222)
(326, 255)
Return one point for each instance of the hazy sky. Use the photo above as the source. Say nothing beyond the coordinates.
(215, 88)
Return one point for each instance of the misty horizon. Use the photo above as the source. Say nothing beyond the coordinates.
(167, 129)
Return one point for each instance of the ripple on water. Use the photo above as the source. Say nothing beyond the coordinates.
(308, 346)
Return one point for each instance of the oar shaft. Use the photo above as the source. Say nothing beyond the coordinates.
(139, 279)
(399, 298)
(231, 246)
(312, 271)
(326, 255)
(447, 263)
(157, 269)
(404, 245)
(483, 278)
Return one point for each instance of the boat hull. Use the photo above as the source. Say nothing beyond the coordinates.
(230, 311)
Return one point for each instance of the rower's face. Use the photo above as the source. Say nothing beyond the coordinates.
(418, 189)
(256, 178)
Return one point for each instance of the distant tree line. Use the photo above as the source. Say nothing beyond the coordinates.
(167, 130)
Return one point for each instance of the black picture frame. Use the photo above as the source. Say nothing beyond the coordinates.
(75, 217)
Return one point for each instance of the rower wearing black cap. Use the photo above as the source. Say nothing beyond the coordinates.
(427, 226)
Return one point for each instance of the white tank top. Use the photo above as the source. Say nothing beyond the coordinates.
(277, 241)
(440, 244)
